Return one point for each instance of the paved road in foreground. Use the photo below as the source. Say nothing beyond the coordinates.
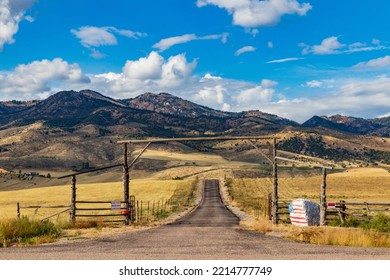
(210, 232)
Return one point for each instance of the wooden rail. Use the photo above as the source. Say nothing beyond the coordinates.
(37, 207)
(221, 138)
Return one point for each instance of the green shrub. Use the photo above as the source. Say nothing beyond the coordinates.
(24, 231)
(380, 223)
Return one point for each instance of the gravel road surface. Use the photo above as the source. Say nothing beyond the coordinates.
(209, 232)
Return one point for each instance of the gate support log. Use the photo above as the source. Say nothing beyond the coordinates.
(126, 183)
(323, 204)
(275, 218)
(73, 202)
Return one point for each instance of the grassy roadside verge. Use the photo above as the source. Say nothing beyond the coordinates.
(250, 195)
(31, 231)
(25, 232)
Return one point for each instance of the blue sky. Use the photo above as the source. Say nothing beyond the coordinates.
(292, 58)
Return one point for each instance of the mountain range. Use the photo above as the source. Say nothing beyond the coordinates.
(70, 128)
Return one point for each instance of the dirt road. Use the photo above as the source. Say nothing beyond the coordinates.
(210, 232)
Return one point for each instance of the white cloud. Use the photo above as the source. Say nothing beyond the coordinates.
(252, 98)
(384, 115)
(332, 45)
(329, 45)
(255, 13)
(363, 98)
(152, 73)
(212, 96)
(270, 45)
(266, 83)
(375, 63)
(92, 37)
(244, 50)
(167, 43)
(144, 68)
(314, 84)
(284, 60)
(30, 81)
(12, 12)
(208, 76)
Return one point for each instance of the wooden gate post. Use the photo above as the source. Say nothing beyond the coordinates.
(126, 183)
(18, 210)
(323, 204)
(73, 202)
(275, 218)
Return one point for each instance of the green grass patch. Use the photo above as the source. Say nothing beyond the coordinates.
(379, 223)
(24, 232)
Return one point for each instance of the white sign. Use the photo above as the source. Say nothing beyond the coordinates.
(115, 205)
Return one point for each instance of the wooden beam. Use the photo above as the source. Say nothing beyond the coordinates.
(139, 155)
(303, 162)
(89, 171)
(261, 152)
(219, 138)
(323, 161)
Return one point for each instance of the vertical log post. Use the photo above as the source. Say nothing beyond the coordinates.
(275, 219)
(323, 205)
(342, 211)
(18, 210)
(73, 202)
(126, 183)
(269, 207)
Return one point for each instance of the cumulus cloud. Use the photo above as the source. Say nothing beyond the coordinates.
(252, 98)
(369, 97)
(228, 94)
(167, 43)
(212, 97)
(244, 50)
(208, 76)
(151, 73)
(256, 13)
(40, 78)
(374, 63)
(365, 98)
(329, 45)
(91, 37)
(12, 12)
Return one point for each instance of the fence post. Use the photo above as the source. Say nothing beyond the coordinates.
(126, 179)
(18, 210)
(342, 210)
(275, 218)
(73, 203)
(323, 204)
(269, 208)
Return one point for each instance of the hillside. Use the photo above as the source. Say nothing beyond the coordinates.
(76, 130)
(377, 127)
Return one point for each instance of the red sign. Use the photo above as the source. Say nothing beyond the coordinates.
(331, 204)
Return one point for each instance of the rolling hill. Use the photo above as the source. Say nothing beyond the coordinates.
(72, 130)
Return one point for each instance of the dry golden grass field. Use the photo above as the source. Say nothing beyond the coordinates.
(142, 189)
(359, 184)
